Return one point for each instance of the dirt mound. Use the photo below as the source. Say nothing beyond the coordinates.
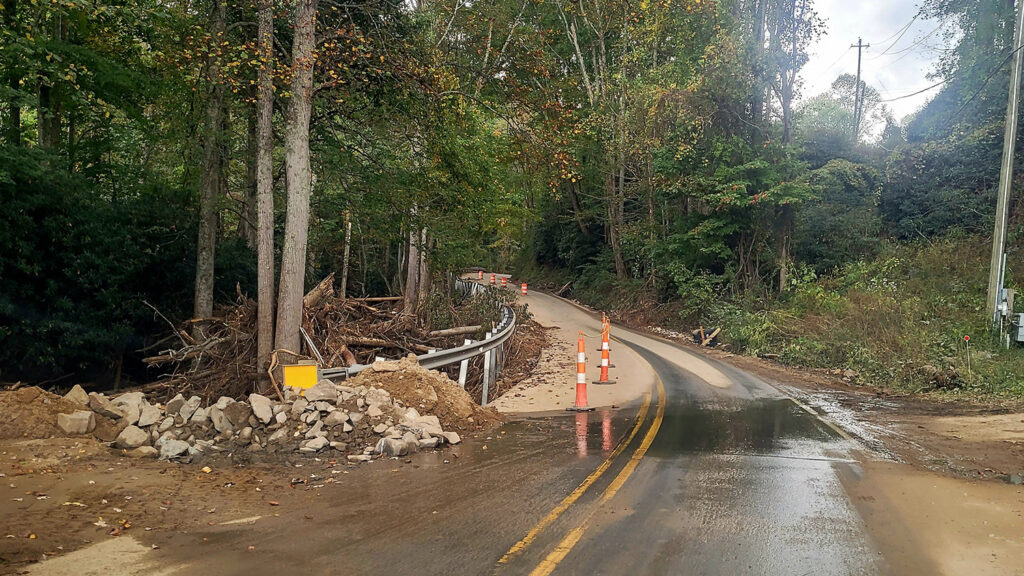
(427, 391)
(32, 413)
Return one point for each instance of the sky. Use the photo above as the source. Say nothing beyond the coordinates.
(893, 65)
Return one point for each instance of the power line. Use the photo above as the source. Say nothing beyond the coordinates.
(916, 93)
(902, 32)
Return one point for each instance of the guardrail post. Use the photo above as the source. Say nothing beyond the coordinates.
(464, 367)
(487, 373)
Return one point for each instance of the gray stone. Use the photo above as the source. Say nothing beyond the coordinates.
(166, 425)
(324, 406)
(262, 407)
(189, 408)
(144, 452)
(412, 443)
(335, 418)
(385, 366)
(355, 417)
(173, 448)
(245, 436)
(219, 419)
(317, 431)
(100, 405)
(374, 411)
(298, 407)
(281, 417)
(223, 402)
(346, 427)
(359, 457)
(391, 447)
(77, 395)
(277, 436)
(199, 417)
(324, 390)
(409, 416)
(360, 403)
(452, 437)
(175, 404)
(429, 424)
(314, 445)
(150, 415)
(131, 437)
(1016, 479)
(380, 428)
(339, 446)
(78, 422)
(238, 414)
(377, 396)
(428, 444)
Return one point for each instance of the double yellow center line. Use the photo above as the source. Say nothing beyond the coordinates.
(566, 545)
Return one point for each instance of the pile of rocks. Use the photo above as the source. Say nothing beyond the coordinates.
(361, 421)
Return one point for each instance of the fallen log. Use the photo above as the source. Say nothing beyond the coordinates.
(459, 331)
(563, 288)
(325, 289)
(381, 343)
(377, 299)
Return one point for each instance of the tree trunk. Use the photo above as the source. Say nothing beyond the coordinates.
(297, 171)
(346, 254)
(247, 221)
(424, 273)
(265, 187)
(212, 185)
(12, 123)
(412, 276)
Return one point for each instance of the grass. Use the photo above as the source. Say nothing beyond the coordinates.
(898, 320)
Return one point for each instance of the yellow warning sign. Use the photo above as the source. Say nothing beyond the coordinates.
(300, 375)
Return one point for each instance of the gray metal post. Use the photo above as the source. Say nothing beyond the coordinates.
(487, 373)
(464, 367)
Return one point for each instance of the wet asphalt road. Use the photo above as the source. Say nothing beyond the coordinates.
(722, 475)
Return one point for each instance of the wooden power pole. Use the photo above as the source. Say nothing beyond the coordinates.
(857, 104)
(998, 263)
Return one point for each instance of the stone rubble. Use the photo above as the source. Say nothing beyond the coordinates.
(362, 422)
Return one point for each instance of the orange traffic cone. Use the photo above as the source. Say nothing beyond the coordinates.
(479, 274)
(523, 289)
(581, 379)
(504, 281)
(605, 356)
(492, 279)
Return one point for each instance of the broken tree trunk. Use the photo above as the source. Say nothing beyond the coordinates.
(459, 331)
(325, 289)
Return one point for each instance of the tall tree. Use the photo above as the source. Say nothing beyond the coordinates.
(298, 176)
(213, 168)
(265, 185)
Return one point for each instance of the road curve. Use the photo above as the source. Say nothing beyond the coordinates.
(711, 471)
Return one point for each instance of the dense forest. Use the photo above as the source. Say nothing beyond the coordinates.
(659, 157)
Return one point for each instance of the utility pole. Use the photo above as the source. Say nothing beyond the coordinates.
(857, 91)
(998, 264)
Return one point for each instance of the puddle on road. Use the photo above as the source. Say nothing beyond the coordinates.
(751, 427)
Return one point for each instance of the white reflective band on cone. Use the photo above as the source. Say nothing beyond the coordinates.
(604, 345)
(604, 361)
(581, 357)
(581, 378)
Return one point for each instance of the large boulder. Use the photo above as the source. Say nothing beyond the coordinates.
(219, 419)
(238, 414)
(132, 437)
(314, 445)
(78, 422)
(262, 407)
(102, 406)
(324, 390)
(149, 415)
(172, 448)
(392, 447)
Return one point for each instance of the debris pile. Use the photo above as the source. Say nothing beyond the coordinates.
(391, 409)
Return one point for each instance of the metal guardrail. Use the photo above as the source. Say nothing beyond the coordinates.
(491, 347)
